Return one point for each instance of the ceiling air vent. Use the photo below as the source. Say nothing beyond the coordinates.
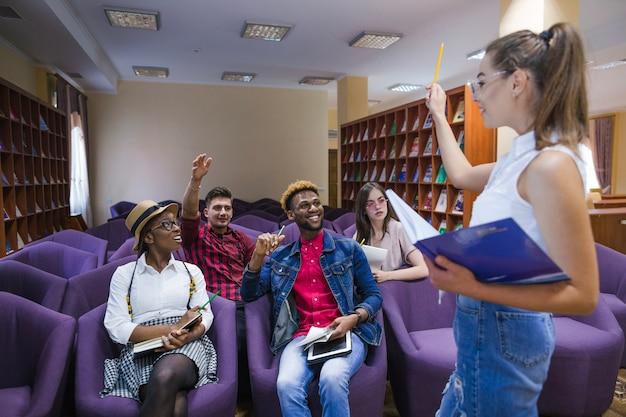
(7, 12)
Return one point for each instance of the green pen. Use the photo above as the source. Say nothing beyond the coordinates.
(210, 299)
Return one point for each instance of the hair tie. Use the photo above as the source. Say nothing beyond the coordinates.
(546, 35)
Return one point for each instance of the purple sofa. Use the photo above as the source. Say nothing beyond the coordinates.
(79, 240)
(367, 387)
(94, 345)
(35, 356)
(114, 232)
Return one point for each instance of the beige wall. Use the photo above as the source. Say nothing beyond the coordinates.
(17, 70)
(143, 139)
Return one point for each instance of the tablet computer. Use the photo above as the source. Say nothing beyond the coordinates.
(322, 351)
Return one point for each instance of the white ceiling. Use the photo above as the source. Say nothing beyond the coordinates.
(199, 39)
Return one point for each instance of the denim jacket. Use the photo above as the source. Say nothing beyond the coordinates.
(347, 272)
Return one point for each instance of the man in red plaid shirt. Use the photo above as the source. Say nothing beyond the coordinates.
(219, 251)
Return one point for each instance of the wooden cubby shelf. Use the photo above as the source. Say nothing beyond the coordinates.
(34, 162)
(398, 149)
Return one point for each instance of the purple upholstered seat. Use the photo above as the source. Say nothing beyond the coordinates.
(252, 234)
(33, 284)
(79, 240)
(422, 354)
(90, 289)
(34, 361)
(350, 230)
(121, 209)
(343, 222)
(254, 222)
(56, 258)
(126, 250)
(94, 345)
(292, 232)
(367, 387)
(612, 266)
(114, 232)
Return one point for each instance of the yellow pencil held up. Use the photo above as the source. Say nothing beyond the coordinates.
(438, 63)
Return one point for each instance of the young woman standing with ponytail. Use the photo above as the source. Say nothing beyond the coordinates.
(535, 84)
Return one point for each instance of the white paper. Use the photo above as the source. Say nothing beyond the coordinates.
(414, 225)
(316, 334)
(375, 256)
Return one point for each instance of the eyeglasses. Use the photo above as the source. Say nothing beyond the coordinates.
(478, 85)
(371, 204)
(166, 225)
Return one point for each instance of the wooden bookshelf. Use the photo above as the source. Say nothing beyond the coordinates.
(383, 148)
(34, 161)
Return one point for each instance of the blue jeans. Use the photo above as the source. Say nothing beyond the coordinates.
(502, 361)
(295, 376)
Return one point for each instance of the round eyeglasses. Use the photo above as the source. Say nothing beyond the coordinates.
(477, 85)
(372, 204)
(166, 225)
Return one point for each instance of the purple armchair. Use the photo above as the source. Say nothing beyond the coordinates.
(34, 361)
(94, 345)
(252, 234)
(114, 232)
(422, 354)
(255, 222)
(612, 266)
(90, 289)
(420, 343)
(33, 284)
(367, 387)
(79, 240)
(56, 258)
(343, 222)
(121, 209)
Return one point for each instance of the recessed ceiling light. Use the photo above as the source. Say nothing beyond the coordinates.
(374, 40)
(243, 77)
(264, 31)
(476, 55)
(610, 65)
(316, 80)
(371, 103)
(135, 19)
(159, 72)
(405, 87)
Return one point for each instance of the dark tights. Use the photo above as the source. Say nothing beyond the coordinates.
(165, 394)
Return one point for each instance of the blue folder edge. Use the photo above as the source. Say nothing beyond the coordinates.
(498, 252)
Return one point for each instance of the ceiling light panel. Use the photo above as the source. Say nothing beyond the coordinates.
(242, 77)
(159, 72)
(405, 87)
(610, 65)
(316, 80)
(374, 40)
(264, 31)
(476, 55)
(135, 19)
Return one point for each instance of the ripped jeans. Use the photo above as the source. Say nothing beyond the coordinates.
(502, 361)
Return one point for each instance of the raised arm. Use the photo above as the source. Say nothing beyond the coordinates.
(191, 199)
(461, 173)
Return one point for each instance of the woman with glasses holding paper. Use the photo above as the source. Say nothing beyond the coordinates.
(535, 84)
(156, 300)
(378, 226)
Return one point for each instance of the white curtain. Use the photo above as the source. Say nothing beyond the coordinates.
(79, 183)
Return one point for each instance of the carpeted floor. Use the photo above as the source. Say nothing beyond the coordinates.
(617, 409)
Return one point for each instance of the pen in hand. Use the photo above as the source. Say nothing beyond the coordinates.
(438, 63)
(209, 300)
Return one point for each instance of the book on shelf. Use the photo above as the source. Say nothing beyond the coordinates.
(383, 175)
(428, 122)
(461, 140)
(366, 176)
(428, 175)
(2, 146)
(6, 215)
(443, 227)
(402, 150)
(459, 115)
(392, 152)
(442, 201)
(392, 131)
(9, 248)
(18, 212)
(365, 134)
(373, 174)
(415, 174)
(383, 152)
(415, 147)
(416, 125)
(358, 175)
(351, 159)
(428, 202)
(23, 120)
(403, 129)
(416, 203)
(37, 208)
(392, 177)
(383, 130)
(358, 157)
(428, 149)
(20, 242)
(402, 176)
(441, 175)
(5, 180)
(13, 116)
(458, 226)
(458, 203)
(496, 252)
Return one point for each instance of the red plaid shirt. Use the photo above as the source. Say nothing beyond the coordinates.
(221, 257)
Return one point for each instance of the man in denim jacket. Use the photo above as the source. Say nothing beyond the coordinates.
(318, 281)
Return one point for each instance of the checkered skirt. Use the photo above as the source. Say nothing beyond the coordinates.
(125, 374)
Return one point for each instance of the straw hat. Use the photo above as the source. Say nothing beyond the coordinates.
(141, 215)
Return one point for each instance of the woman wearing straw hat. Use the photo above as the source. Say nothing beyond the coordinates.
(152, 298)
